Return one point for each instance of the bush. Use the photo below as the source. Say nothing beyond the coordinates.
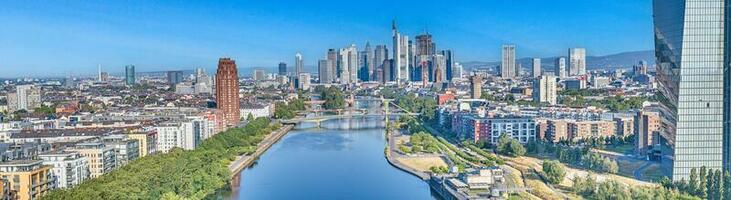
(553, 171)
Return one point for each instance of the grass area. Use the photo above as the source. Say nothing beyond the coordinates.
(423, 163)
(628, 167)
(624, 148)
(653, 173)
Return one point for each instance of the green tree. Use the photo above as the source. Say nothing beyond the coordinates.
(702, 180)
(509, 146)
(693, 182)
(553, 171)
(249, 117)
(726, 193)
(333, 97)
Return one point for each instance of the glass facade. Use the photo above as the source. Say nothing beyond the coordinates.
(690, 52)
(129, 75)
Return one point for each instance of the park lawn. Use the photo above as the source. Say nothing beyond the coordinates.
(423, 163)
(653, 173)
(623, 149)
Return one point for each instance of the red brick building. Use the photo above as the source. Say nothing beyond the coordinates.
(227, 91)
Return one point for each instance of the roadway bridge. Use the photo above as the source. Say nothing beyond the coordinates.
(319, 119)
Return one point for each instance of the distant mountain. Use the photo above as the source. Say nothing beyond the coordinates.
(607, 62)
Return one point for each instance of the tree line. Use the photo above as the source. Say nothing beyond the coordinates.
(188, 174)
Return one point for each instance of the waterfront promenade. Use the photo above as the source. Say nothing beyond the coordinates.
(391, 155)
(243, 161)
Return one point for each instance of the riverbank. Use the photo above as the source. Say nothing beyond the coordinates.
(243, 161)
(391, 158)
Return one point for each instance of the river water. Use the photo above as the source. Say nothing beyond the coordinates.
(342, 159)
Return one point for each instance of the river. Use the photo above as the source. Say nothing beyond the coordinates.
(342, 160)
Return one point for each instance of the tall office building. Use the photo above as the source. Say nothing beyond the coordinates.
(380, 55)
(348, 64)
(99, 73)
(369, 65)
(388, 70)
(298, 64)
(332, 56)
(129, 75)
(457, 71)
(439, 68)
(476, 85)
(325, 68)
(25, 97)
(174, 77)
(692, 70)
(560, 65)
(424, 45)
(544, 89)
(258, 74)
(640, 68)
(449, 59)
(400, 55)
(507, 66)
(227, 90)
(577, 61)
(303, 81)
(282, 69)
(536, 67)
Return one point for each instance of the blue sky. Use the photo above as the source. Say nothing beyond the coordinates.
(39, 38)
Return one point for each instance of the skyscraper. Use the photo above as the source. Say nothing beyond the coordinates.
(507, 66)
(439, 65)
(174, 77)
(692, 71)
(298, 64)
(258, 74)
(348, 63)
(536, 67)
(99, 73)
(457, 71)
(380, 55)
(577, 61)
(476, 85)
(227, 91)
(388, 70)
(544, 89)
(560, 65)
(129, 75)
(325, 68)
(424, 45)
(400, 54)
(449, 59)
(332, 56)
(368, 64)
(282, 69)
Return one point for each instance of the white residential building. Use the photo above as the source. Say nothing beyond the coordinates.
(69, 168)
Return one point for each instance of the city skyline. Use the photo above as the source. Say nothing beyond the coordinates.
(158, 45)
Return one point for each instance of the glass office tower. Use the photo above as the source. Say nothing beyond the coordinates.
(691, 69)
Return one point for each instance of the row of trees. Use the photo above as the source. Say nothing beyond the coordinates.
(284, 110)
(333, 97)
(589, 188)
(614, 103)
(708, 183)
(576, 156)
(189, 174)
(509, 146)
(426, 106)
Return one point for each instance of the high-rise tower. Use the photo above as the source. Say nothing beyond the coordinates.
(692, 56)
(227, 91)
(298, 64)
(507, 66)
(577, 61)
(129, 75)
